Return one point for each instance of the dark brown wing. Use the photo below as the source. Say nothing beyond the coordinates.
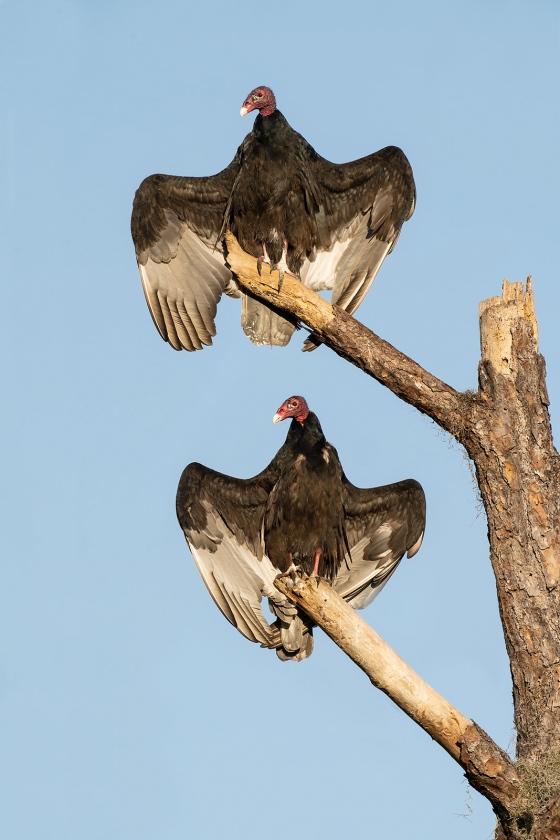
(221, 518)
(362, 207)
(176, 225)
(381, 525)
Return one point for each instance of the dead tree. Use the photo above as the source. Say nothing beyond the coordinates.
(505, 429)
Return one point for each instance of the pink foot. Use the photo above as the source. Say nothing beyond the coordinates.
(315, 572)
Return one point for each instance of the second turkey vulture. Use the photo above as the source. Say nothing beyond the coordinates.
(299, 512)
(332, 225)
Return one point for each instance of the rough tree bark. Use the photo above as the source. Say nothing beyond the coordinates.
(505, 429)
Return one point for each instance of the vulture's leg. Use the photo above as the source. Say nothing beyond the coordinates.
(282, 265)
(318, 553)
(264, 259)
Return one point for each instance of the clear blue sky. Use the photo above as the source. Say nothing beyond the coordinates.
(131, 710)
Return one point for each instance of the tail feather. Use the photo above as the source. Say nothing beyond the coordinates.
(264, 325)
(295, 636)
(311, 343)
(297, 641)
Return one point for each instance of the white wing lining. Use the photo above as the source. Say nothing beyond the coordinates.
(238, 581)
(183, 292)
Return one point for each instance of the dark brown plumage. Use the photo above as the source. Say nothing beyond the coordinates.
(300, 512)
(330, 224)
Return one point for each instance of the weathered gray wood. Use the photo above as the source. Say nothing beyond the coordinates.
(386, 670)
(486, 765)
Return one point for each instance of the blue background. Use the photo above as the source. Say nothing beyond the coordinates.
(131, 709)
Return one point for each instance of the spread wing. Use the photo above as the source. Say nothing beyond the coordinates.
(176, 226)
(381, 525)
(362, 206)
(221, 518)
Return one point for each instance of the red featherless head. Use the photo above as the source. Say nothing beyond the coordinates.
(260, 99)
(295, 407)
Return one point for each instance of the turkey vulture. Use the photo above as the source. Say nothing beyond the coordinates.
(300, 512)
(331, 225)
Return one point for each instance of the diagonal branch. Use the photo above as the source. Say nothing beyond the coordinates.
(487, 767)
(351, 340)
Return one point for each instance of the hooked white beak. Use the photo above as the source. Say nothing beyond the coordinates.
(243, 111)
(277, 417)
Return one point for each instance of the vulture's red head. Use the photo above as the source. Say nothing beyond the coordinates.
(260, 99)
(295, 407)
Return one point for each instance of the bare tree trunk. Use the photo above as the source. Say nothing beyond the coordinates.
(509, 438)
(505, 428)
